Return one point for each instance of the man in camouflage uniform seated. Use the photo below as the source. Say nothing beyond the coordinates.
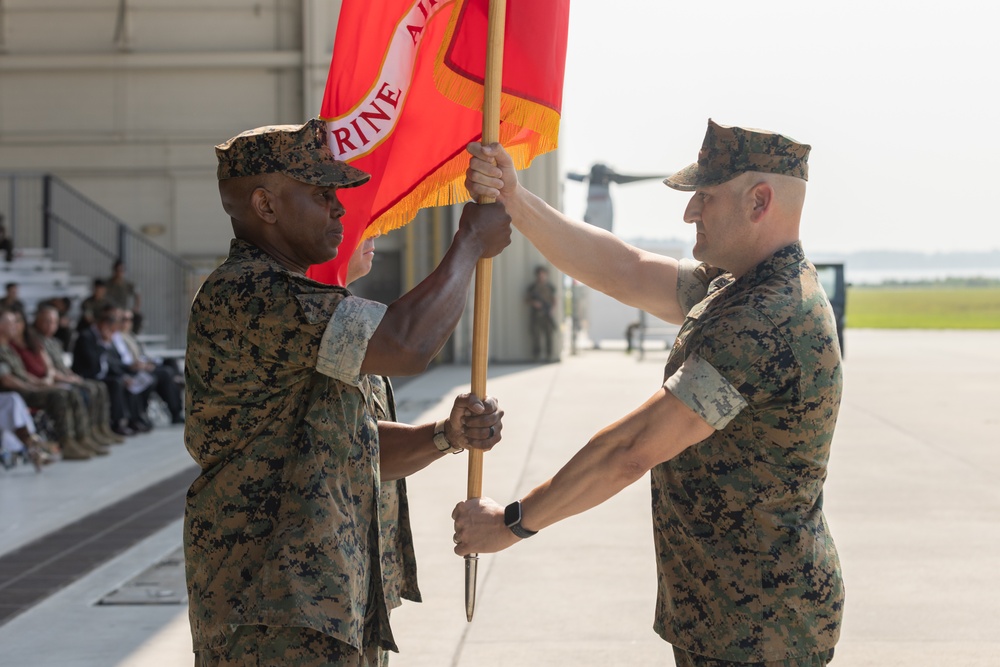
(95, 392)
(738, 437)
(282, 534)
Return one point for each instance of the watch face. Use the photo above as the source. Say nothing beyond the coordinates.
(512, 514)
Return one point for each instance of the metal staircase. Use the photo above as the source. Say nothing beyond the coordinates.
(81, 241)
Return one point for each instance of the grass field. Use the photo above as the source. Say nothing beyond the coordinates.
(924, 306)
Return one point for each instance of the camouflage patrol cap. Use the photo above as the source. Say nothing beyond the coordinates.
(729, 151)
(298, 151)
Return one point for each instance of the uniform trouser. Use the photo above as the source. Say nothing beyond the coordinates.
(541, 336)
(65, 408)
(684, 658)
(96, 394)
(275, 646)
(95, 400)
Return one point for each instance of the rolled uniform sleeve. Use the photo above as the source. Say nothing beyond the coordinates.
(706, 391)
(345, 342)
(694, 282)
(690, 290)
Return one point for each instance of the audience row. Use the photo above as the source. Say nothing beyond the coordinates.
(88, 399)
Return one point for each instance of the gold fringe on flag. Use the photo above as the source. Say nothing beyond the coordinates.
(446, 185)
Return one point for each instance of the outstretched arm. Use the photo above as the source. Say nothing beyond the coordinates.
(615, 457)
(593, 256)
(416, 325)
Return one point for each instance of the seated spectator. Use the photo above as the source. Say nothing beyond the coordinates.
(135, 359)
(11, 299)
(64, 332)
(92, 305)
(95, 358)
(6, 245)
(122, 292)
(64, 407)
(38, 364)
(19, 438)
(45, 326)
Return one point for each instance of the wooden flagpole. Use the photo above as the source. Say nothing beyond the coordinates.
(484, 270)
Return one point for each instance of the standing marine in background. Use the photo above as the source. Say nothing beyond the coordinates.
(541, 298)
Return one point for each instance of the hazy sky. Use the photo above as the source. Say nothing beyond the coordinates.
(899, 100)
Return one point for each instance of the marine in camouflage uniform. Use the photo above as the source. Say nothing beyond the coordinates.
(739, 436)
(282, 535)
(281, 527)
(541, 298)
(748, 570)
(95, 392)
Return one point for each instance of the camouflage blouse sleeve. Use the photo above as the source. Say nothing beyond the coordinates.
(706, 391)
(345, 341)
(693, 279)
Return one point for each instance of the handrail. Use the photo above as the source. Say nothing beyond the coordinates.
(42, 210)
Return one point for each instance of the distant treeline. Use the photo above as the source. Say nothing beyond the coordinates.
(940, 283)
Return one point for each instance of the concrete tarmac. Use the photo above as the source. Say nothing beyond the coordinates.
(911, 499)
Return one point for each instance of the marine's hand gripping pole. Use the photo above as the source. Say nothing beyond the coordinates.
(484, 272)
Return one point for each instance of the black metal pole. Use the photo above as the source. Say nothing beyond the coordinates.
(47, 212)
(122, 237)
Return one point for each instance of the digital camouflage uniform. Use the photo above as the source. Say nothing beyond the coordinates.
(276, 646)
(747, 568)
(281, 527)
(748, 571)
(96, 398)
(121, 294)
(541, 298)
(399, 562)
(728, 151)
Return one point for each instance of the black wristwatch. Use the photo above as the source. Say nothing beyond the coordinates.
(512, 519)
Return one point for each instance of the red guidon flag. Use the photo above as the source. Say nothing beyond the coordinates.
(405, 95)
